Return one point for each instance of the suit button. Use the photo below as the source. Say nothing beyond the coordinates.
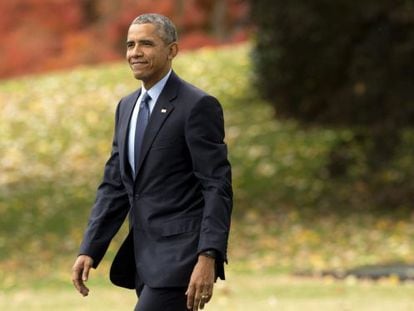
(136, 196)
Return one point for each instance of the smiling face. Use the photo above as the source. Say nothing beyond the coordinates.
(149, 57)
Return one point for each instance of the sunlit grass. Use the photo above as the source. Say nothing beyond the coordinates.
(241, 292)
(55, 133)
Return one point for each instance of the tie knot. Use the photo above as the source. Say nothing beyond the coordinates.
(145, 99)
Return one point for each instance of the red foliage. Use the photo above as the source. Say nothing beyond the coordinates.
(196, 39)
(40, 35)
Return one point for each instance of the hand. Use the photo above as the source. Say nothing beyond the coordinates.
(80, 273)
(200, 289)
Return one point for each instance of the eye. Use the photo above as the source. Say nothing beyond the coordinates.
(147, 43)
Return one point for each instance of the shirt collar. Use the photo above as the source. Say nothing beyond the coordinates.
(157, 88)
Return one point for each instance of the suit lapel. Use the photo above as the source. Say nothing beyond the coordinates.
(160, 113)
(124, 132)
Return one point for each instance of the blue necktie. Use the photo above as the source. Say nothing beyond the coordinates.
(142, 121)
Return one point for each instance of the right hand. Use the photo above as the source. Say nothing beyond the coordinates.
(80, 273)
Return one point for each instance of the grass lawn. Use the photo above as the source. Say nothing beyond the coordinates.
(55, 133)
(242, 291)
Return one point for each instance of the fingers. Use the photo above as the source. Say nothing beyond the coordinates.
(80, 286)
(197, 299)
(86, 267)
(198, 296)
(201, 284)
(206, 295)
(190, 296)
(80, 274)
(78, 282)
(203, 300)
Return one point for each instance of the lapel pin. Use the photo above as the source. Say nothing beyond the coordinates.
(163, 110)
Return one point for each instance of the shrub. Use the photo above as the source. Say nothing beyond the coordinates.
(337, 62)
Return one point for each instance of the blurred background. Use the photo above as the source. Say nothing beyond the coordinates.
(46, 35)
(319, 110)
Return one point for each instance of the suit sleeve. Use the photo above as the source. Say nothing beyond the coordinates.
(110, 208)
(205, 139)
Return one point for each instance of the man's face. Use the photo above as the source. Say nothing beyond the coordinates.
(148, 55)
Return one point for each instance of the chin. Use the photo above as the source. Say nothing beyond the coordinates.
(137, 75)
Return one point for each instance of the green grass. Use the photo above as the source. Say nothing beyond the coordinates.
(241, 292)
(55, 133)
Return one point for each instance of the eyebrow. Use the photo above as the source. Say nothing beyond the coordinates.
(141, 41)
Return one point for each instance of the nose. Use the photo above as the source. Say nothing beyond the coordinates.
(137, 51)
(134, 52)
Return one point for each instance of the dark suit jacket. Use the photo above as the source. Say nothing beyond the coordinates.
(181, 199)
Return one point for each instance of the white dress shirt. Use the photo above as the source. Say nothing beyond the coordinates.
(154, 93)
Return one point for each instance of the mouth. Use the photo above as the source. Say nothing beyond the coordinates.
(135, 64)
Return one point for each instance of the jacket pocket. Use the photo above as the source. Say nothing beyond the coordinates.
(177, 227)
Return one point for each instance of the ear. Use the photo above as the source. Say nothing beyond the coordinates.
(173, 50)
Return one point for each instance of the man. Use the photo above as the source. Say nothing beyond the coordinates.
(169, 170)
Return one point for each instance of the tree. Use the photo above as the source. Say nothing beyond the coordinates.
(57, 34)
(337, 62)
(340, 64)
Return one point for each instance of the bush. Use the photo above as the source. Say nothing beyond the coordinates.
(344, 64)
(337, 62)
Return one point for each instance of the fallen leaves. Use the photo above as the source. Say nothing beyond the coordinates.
(55, 134)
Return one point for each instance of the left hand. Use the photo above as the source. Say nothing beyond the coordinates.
(200, 289)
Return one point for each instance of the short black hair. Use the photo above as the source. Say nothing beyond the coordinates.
(165, 27)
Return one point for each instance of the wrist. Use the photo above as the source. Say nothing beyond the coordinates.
(203, 260)
(210, 254)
